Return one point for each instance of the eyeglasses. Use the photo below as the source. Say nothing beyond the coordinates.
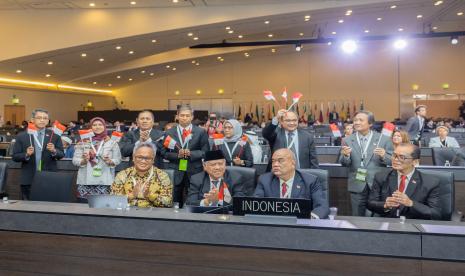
(41, 118)
(143, 159)
(227, 127)
(400, 157)
(290, 121)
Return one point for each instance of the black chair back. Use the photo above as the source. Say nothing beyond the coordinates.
(249, 175)
(170, 174)
(322, 177)
(53, 186)
(3, 175)
(442, 155)
(446, 191)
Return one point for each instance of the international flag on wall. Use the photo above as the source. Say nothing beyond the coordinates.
(321, 118)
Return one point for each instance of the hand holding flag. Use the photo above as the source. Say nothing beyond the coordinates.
(284, 95)
(86, 134)
(31, 130)
(295, 99)
(170, 143)
(335, 130)
(269, 96)
(116, 136)
(388, 129)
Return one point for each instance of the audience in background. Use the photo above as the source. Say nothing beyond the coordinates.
(443, 140)
(68, 147)
(257, 151)
(415, 125)
(236, 150)
(398, 137)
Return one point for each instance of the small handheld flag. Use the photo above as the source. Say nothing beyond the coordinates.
(335, 130)
(388, 129)
(284, 95)
(224, 195)
(86, 133)
(269, 95)
(295, 99)
(218, 139)
(169, 143)
(116, 136)
(58, 128)
(31, 130)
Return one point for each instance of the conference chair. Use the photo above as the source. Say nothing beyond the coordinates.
(446, 194)
(3, 176)
(442, 155)
(249, 177)
(323, 177)
(53, 186)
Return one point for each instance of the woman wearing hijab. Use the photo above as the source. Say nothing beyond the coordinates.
(235, 149)
(97, 158)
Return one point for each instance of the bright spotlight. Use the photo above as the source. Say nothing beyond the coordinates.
(400, 44)
(454, 40)
(298, 47)
(349, 46)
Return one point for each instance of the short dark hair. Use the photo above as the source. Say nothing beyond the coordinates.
(34, 112)
(416, 151)
(147, 111)
(371, 116)
(185, 107)
(418, 107)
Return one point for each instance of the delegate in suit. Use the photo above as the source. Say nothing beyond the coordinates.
(214, 186)
(286, 182)
(38, 151)
(287, 135)
(416, 124)
(442, 140)
(403, 190)
(364, 153)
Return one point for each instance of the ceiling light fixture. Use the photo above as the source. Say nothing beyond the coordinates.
(460, 13)
(270, 35)
(142, 72)
(154, 41)
(400, 29)
(400, 44)
(240, 36)
(152, 74)
(83, 55)
(190, 34)
(340, 21)
(48, 75)
(101, 60)
(19, 71)
(298, 47)
(437, 3)
(454, 40)
(118, 47)
(267, 22)
(230, 32)
(379, 18)
(92, 4)
(228, 28)
(118, 77)
(349, 46)
(419, 16)
(273, 50)
(133, 2)
(367, 31)
(131, 52)
(393, 6)
(195, 38)
(50, 63)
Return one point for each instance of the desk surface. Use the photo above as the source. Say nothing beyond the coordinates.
(353, 235)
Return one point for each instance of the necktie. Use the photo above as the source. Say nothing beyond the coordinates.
(184, 134)
(402, 183)
(283, 189)
(41, 137)
(290, 138)
(215, 183)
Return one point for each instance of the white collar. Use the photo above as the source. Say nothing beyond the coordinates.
(289, 182)
(189, 127)
(409, 176)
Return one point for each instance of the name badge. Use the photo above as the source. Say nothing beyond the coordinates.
(361, 175)
(97, 172)
(183, 165)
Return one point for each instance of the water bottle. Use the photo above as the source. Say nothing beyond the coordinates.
(447, 164)
(265, 159)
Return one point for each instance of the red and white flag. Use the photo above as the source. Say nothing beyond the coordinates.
(269, 95)
(296, 97)
(169, 142)
(86, 134)
(218, 139)
(116, 136)
(335, 130)
(243, 141)
(58, 128)
(223, 194)
(284, 95)
(31, 129)
(388, 129)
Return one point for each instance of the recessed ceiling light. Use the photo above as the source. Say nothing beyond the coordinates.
(220, 91)
(419, 16)
(198, 92)
(118, 77)
(83, 55)
(270, 35)
(197, 64)
(19, 71)
(222, 59)
(130, 79)
(175, 1)
(174, 69)
(94, 82)
(230, 32)
(151, 74)
(437, 3)
(167, 66)
(195, 38)
(228, 28)
(329, 43)
(142, 72)
(110, 85)
(101, 60)
(340, 21)
(219, 57)
(154, 41)
(393, 6)
(267, 22)
(367, 31)
(301, 34)
(333, 33)
(50, 63)
(193, 62)
(92, 4)
(131, 52)
(460, 13)
(400, 29)
(133, 2)
(307, 17)
(190, 34)
(273, 50)
(246, 54)
(379, 18)
(435, 28)
(239, 36)
(176, 92)
(48, 76)
(348, 12)
(118, 47)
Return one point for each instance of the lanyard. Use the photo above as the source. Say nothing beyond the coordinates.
(184, 143)
(364, 151)
(289, 146)
(36, 138)
(97, 152)
(145, 182)
(230, 152)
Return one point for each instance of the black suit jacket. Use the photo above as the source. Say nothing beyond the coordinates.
(422, 190)
(129, 140)
(305, 186)
(276, 136)
(198, 145)
(29, 167)
(200, 185)
(246, 153)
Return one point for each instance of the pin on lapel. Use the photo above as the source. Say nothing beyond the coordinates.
(414, 182)
(298, 186)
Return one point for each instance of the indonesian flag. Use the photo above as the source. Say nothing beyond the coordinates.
(284, 95)
(116, 136)
(269, 95)
(388, 129)
(223, 194)
(335, 130)
(296, 97)
(169, 142)
(86, 134)
(58, 128)
(218, 139)
(243, 140)
(31, 129)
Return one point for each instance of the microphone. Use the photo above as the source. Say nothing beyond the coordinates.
(217, 209)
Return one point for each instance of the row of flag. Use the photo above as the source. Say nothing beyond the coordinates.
(388, 129)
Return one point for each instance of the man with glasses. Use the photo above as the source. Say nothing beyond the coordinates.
(38, 151)
(214, 186)
(403, 190)
(286, 182)
(287, 135)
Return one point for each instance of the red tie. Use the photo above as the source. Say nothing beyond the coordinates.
(184, 134)
(402, 183)
(283, 189)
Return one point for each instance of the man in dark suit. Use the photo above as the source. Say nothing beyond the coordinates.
(144, 133)
(36, 152)
(185, 157)
(214, 186)
(405, 191)
(287, 135)
(416, 124)
(286, 182)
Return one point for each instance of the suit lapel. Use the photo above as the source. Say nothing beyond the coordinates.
(371, 146)
(393, 185)
(206, 184)
(275, 189)
(412, 185)
(296, 186)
